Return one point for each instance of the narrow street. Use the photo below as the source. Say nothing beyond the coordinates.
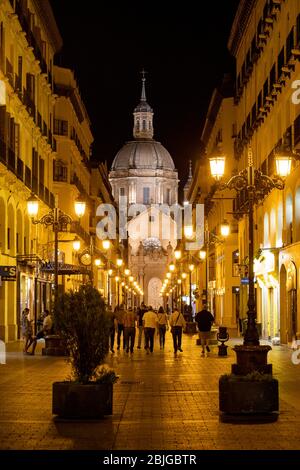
(160, 402)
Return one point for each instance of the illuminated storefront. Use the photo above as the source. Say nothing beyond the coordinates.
(289, 327)
(267, 292)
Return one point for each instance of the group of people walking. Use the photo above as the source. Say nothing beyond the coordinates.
(147, 321)
(125, 323)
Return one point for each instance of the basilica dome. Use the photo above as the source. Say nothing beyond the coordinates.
(143, 171)
(143, 154)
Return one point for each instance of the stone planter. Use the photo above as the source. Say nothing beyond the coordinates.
(243, 397)
(72, 400)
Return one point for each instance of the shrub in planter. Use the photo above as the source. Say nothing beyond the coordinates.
(83, 322)
(251, 394)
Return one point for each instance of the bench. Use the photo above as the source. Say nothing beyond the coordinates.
(54, 346)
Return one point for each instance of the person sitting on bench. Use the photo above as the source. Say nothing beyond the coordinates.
(46, 330)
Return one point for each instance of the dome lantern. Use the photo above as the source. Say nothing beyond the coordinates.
(143, 116)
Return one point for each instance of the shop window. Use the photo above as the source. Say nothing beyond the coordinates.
(266, 231)
(279, 226)
(235, 263)
(297, 215)
(289, 219)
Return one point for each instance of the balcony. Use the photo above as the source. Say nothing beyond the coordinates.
(60, 173)
(20, 169)
(27, 177)
(34, 184)
(76, 181)
(41, 191)
(11, 160)
(79, 230)
(28, 101)
(10, 73)
(3, 151)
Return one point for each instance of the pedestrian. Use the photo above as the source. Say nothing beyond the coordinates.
(113, 324)
(46, 330)
(177, 323)
(150, 324)
(120, 317)
(129, 321)
(140, 313)
(205, 319)
(39, 322)
(27, 329)
(162, 318)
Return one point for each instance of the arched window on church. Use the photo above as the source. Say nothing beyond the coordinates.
(144, 124)
(138, 125)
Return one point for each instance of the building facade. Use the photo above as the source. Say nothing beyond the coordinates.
(143, 172)
(45, 146)
(29, 39)
(267, 51)
(217, 277)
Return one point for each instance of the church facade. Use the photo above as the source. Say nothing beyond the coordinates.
(143, 171)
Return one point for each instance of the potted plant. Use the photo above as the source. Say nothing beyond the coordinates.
(83, 322)
(249, 395)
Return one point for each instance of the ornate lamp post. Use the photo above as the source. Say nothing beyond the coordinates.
(244, 397)
(251, 355)
(210, 238)
(59, 221)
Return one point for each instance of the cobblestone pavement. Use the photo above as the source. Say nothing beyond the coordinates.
(160, 402)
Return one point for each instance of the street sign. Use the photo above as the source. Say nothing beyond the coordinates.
(8, 273)
(245, 280)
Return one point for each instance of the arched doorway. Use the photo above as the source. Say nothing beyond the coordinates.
(154, 288)
(283, 306)
(291, 288)
(3, 286)
(288, 302)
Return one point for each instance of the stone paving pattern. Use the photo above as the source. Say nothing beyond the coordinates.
(160, 402)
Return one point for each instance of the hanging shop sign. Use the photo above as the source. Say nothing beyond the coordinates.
(2, 93)
(8, 273)
(63, 269)
(265, 264)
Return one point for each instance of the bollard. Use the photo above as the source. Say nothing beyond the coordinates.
(222, 336)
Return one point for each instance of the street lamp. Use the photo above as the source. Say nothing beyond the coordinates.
(59, 221)
(106, 244)
(188, 231)
(202, 255)
(177, 254)
(80, 206)
(117, 279)
(191, 269)
(172, 268)
(256, 186)
(109, 274)
(119, 262)
(76, 244)
(225, 228)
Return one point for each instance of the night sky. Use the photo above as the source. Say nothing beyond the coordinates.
(182, 46)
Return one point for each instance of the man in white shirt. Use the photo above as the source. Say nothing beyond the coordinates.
(46, 330)
(177, 323)
(149, 323)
